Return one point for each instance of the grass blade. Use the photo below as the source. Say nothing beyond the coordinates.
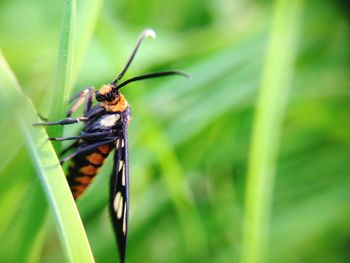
(272, 102)
(33, 227)
(86, 24)
(174, 177)
(50, 173)
(64, 77)
(57, 191)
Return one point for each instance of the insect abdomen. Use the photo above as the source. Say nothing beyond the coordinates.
(84, 167)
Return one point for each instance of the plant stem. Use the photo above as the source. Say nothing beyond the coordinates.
(65, 67)
(272, 101)
(50, 173)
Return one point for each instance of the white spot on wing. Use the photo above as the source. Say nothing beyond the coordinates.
(123, 175)
(110, 120)
(124, 221)
(116, 201)
(120, 164)
(120, 209)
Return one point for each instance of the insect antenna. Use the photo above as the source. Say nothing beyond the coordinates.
(153, 75)
(146, 33)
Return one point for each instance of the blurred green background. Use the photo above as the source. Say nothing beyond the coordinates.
(189, 139)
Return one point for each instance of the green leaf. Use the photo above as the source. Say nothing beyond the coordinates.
(271, 104)
(64, 76)
(50, 173)
(88, 14)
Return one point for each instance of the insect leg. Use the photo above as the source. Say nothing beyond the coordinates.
(82, 96)
(87, 149)
(83, 136)
(62, 122)
(41, 117)
(70, 147)
(65, 138)
(88, 100)
(76, 95)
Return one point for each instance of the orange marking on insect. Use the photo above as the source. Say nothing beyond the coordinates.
(117, 105)
(77, 190)
(105, 89)
(88, 170)
(84, 180)
(104, 149)
(95, 158)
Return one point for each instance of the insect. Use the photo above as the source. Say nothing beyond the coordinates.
(105, 130)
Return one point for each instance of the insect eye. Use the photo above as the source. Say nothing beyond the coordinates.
(99, 97)
(109, 97)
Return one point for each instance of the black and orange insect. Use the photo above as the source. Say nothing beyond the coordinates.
(105, 129)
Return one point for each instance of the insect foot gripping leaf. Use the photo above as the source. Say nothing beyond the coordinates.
(105, 130)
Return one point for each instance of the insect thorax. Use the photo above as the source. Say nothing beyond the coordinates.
(119, 104)
(109, 121)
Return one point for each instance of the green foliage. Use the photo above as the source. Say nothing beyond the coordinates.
(64, 75)
(190, 140)
(268, 118)
(53, 182)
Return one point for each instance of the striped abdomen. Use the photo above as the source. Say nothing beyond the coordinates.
(84, 167)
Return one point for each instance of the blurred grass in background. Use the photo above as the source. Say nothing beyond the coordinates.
(189, 140)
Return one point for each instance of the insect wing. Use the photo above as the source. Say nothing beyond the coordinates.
(119, 193)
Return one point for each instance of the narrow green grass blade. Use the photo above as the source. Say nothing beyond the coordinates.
(64, 82)
(88, 14)
(10, 143)
(64, 74)
(57, 191)
(272, 102)
(50, 173)
(33, 226)
(175, 182)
